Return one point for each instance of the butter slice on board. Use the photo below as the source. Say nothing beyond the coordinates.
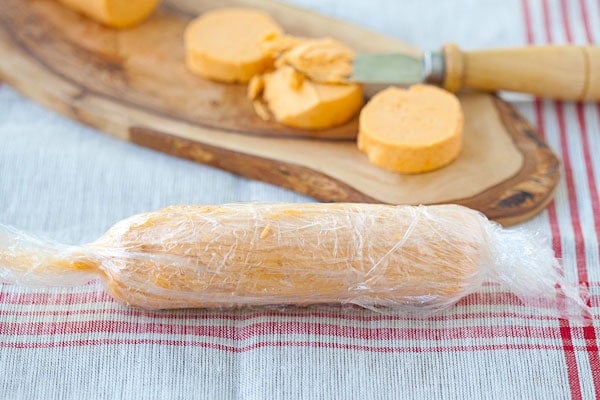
(411, 131)
(114, 13)
(225, 44)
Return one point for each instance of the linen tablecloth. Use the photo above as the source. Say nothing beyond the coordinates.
(68, 182)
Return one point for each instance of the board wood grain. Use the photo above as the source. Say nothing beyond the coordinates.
(133, 84)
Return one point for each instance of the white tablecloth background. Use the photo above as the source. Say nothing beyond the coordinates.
(70, 183)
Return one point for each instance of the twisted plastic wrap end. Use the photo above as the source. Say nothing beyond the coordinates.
(524, 262)
(35, 262)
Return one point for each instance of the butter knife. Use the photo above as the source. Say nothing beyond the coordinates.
(560, 72)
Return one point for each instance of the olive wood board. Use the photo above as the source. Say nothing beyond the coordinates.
(133, 84)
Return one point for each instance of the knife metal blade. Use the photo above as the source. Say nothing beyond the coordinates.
(397, 68)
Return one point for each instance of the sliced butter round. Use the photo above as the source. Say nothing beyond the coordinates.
(114, 13)
(226, 44)
(411, 131)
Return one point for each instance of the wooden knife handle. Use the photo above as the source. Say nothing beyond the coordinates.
(560, 72)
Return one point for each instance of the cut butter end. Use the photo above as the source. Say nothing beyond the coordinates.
(304, 104)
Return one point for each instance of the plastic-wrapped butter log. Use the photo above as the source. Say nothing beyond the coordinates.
(413, 259)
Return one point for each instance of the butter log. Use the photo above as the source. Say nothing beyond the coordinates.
(225, 44)
(410, 131)
(232, 255)
(114, 13)
(412, 259)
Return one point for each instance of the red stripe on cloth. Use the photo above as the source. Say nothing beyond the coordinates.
(590, 38)
(572, 195)
(584, 19)
(527, 16)
(552, 217)
(589, 168)
(174, 315)
(589, 332)
(288, 312)
(98, 296)
(253, 330)
(547, 23)
(258, 345)
(344, 313)
(565, 331)
(564, 12)
(497, 298)
(567, 339)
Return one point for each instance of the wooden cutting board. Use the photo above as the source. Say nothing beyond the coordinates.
(133, 84)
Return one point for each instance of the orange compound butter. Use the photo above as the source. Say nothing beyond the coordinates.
(413, 258)
(114, 13)
(225, 44)
(299, 102)
(411, 131)
(323, 60)
(276, 45)
(294, 99)
(416, 260)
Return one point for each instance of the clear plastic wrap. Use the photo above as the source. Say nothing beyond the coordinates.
(416, 260)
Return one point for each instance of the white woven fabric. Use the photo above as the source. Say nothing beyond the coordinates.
(68, 182)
